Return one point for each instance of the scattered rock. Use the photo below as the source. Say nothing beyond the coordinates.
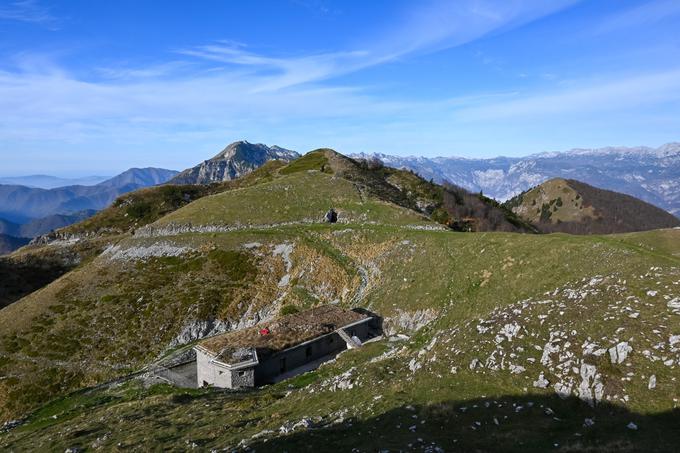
(10, 425)
(619, 353)
(510, 330)
(541, 382)
(161, 249)
(591, 388)
(562, 390)
(674, 304)
(412, 321)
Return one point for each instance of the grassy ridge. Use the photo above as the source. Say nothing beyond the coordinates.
(278, 201)
(460, 277)
(147, 205)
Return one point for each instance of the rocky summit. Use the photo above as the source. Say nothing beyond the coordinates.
(237, 159)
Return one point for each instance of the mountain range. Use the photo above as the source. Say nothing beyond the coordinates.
(237, 159)
(36, 227)
(50, 182)
(20, 204)
(9, 243)
(525, 341)
(650, 174)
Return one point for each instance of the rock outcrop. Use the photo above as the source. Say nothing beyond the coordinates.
(237, 159)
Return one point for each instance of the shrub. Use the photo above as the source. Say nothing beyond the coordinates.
(545, 212)
(289, 310)
(139, 210)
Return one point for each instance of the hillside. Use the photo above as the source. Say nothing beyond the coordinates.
(51, 255)
(42, 225)
(10, 243)
(21, 204)
(570, 206)
(325, 179)
(50, 182)
(650, 174)
(35, 266)
(144, 206)
(237, 159)
(9, 228)
(486, 338)
(450, 206)
(450, 373)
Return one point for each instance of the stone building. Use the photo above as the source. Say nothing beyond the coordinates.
(281, 348)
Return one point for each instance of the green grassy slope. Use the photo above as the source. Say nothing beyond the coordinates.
(279, 201)
(35, 266)
(482, 314)
(456, 281)
(144, 206)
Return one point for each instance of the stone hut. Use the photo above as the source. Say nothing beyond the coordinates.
(282, 348)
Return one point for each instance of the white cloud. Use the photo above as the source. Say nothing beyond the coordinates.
(586, 97)
(27, 11)
(643, 15)
(433, 26)
(441, 24)
(224, 90)
(226, 86)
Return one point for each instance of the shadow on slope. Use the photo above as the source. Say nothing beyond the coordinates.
(509, 423)
(505, 423)
(20, 276)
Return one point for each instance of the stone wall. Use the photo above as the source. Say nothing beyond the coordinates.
(243, 378)
(216, 375)
(209, 373)
(297, 356)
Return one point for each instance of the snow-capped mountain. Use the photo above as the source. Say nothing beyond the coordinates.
(651, 174)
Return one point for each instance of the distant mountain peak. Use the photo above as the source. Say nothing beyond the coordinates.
(34, 211)
(142, 177)
(237, 159)
(668, 149)
(570, 206)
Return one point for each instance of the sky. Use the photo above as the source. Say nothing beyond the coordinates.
(96, 87)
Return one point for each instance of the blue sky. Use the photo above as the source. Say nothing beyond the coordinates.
(95, 87)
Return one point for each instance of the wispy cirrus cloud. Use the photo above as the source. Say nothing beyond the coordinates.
(642, 15)
(280, 72)
(240, 84)
(590, 96)
(208, 92)
(433, 26)
(28, 11)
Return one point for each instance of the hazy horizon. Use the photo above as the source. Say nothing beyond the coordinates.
(84, 173)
